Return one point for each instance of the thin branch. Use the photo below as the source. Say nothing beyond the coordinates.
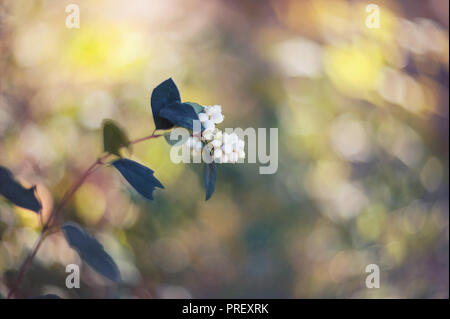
(26, 264)
(144, 138)
(46, 229)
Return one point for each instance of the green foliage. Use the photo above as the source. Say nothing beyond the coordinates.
(171, 142)
(168, 111)
(166, 105)
(91, 251)
(16, 193)
(114, 138)
(210, 178)
(139, 176)
(164, 94)
(197, 107)
(180, 114)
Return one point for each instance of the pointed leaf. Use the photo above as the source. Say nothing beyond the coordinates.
(139, 176)
(16, 193)
(180, 114)
(91, 251)
(210, 178)
(177, 142)
(164, 94)
(114, 138)
(197, 107)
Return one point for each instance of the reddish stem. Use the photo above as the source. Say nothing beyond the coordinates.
(64, 201)
(144, 138)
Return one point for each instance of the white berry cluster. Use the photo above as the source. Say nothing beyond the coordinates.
(223, 147)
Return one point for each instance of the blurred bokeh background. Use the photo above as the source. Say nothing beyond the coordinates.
(363, 123)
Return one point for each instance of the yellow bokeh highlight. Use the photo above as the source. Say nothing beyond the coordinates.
(396, 250)
(354, 69)
(28, 218)
(90, 203)
(105, 51)
(371, 223)
(156, 155)
(31, 219)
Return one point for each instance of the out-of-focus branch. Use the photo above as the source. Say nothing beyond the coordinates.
(54, 214)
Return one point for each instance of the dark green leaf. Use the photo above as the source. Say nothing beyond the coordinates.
(177, 142)
(164, 94)
(16, 193)
(210, 178)
(114, 138)
(139, 176)
(180, 114)
(197, 107)
(91, 251)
